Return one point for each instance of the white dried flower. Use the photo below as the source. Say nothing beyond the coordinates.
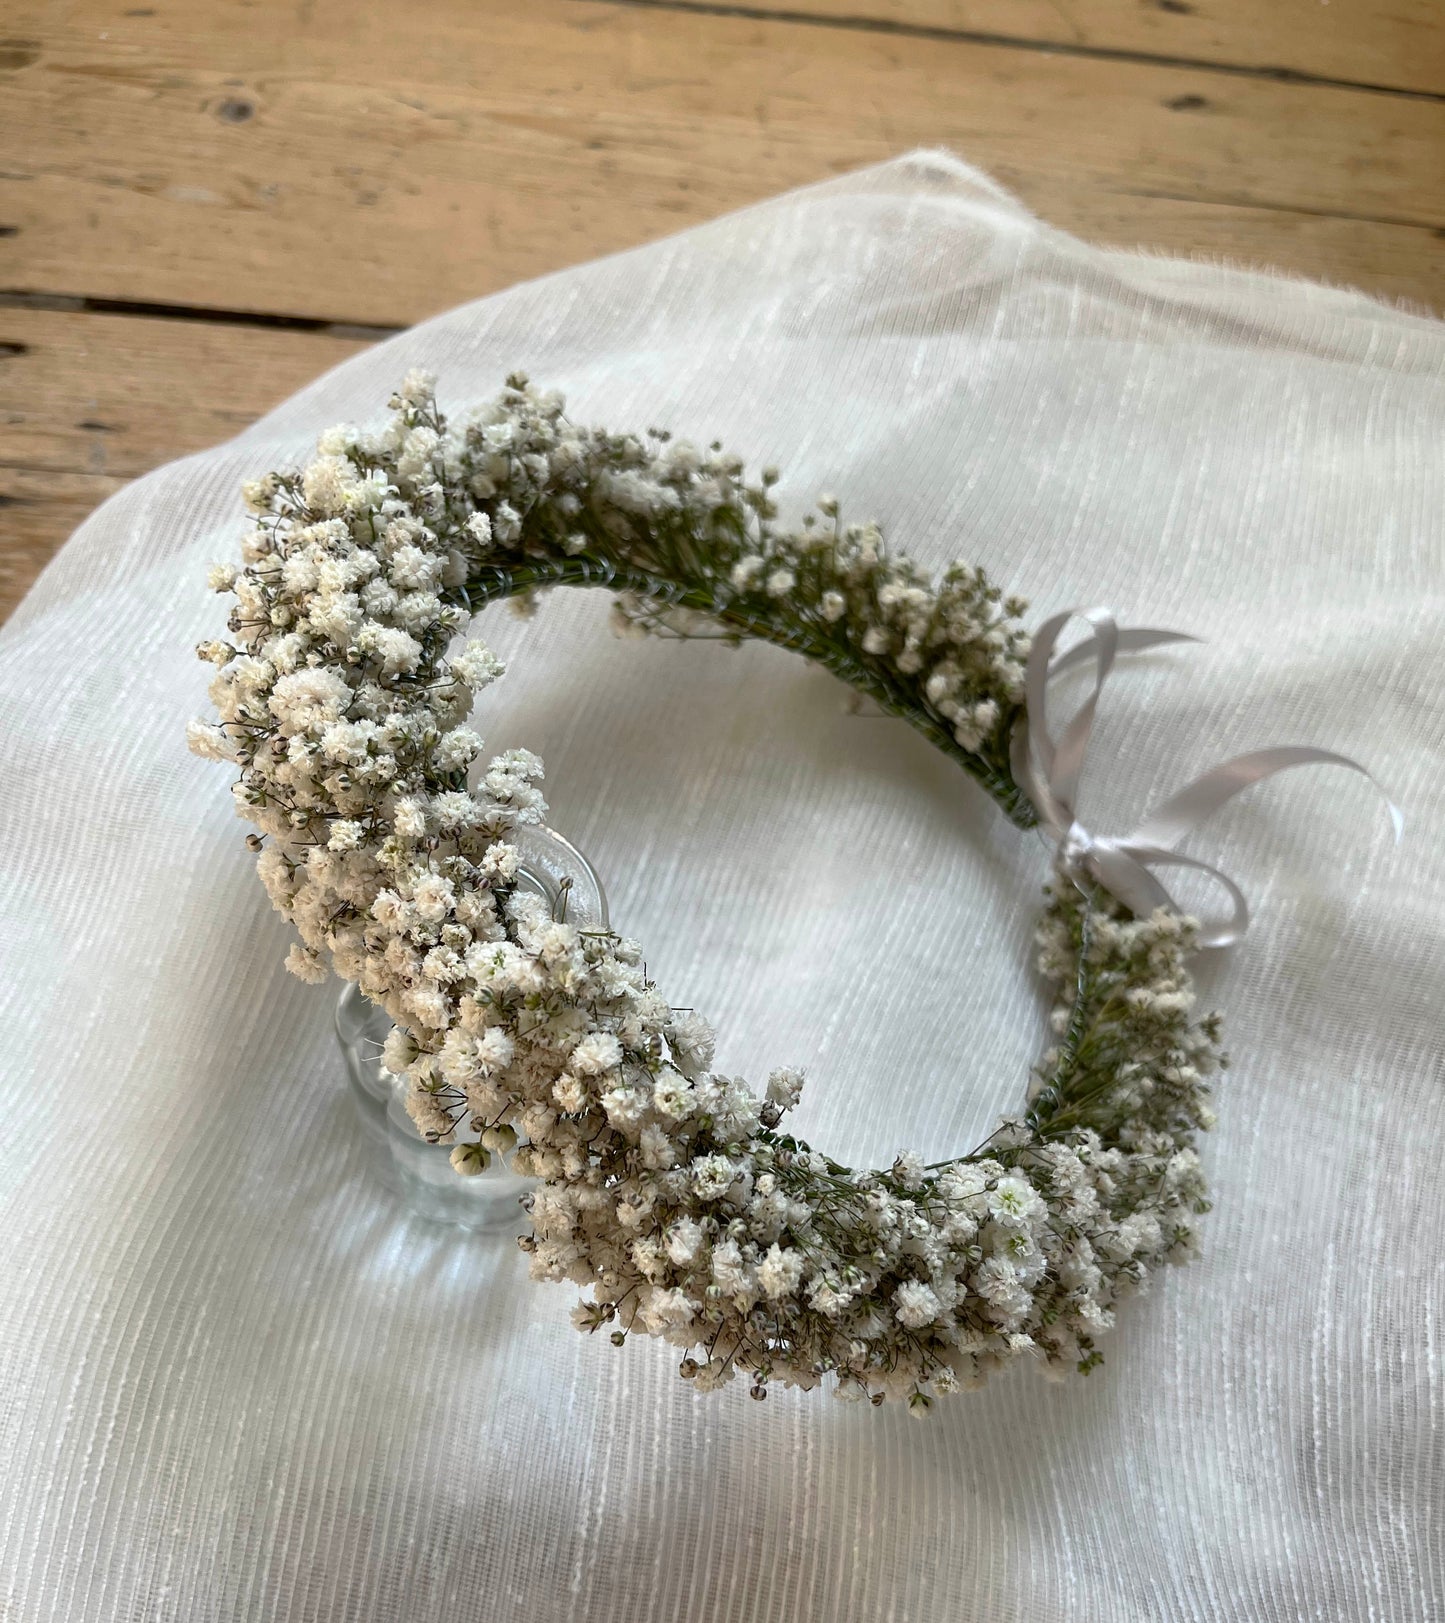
(306, 965)
(915, 1304)
(669, 1188)
(780, 1272)
(598, 1052)
(785, 1088)
(477, 666)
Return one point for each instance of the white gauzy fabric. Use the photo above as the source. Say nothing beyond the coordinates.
(237, 1383)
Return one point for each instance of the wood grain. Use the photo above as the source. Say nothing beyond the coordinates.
(88, 402)
(37, 512)
(343, 161)
(321, 162)
(1401, 45)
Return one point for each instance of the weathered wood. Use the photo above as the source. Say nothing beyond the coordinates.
(38, 510)
(90, 401)
(1400, 45)
(323, 161)
(109, 394)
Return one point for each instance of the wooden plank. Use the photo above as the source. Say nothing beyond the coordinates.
(37, 512)
(322, 161)
(88, 402)
(109, 394)
(1400, 45)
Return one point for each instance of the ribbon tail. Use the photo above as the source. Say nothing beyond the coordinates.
(1049, 772)
(1122, 873)
(1123, 868)
(1222, 932)
(1132, 640)
(1059, 766)
(1036, 689)
(1166, 825)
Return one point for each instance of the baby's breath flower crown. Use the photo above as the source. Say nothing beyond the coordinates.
(673, 1192)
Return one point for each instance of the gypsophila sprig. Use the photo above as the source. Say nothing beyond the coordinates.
(673, 1193)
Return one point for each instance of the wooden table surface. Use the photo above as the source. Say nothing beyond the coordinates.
(203, 203)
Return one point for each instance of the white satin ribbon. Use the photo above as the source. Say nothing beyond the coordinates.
(1049, 773)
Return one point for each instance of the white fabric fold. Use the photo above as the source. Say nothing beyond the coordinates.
(235, 1384)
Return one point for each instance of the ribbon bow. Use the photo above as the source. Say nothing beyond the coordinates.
(1049, 772)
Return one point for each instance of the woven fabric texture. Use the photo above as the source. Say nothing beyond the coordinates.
(237, 1383)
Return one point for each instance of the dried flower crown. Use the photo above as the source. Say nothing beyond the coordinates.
(673, 1192)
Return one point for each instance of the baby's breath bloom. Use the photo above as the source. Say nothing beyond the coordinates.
(667, 1188)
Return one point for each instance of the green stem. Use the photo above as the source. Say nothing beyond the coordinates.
(493, 582)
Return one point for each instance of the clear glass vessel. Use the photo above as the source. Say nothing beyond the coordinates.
(418, 1172)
